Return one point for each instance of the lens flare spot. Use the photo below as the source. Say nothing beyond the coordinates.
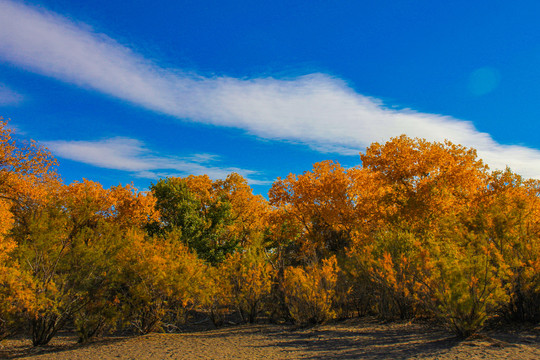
(483, 81)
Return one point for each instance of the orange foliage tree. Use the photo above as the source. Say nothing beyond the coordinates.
(319, 206)
(159, 277)
(249, 275)
(430, 250)
(510, 218)
(24, 167)
(310, 291)
(68, 243)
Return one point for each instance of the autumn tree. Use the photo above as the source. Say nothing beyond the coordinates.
(310, 291)
(24, 168)
(510, 218)
(250, 278)
(424, 179)
(318, 204)
(159, 277)
(325, 212)
(429, 248)
(68, 245)
(15, 284)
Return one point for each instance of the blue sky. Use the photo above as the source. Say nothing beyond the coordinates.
(132, 91)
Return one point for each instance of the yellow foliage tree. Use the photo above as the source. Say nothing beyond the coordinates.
(309, 292)
(23, 170)
(250, 279)
(319, 205)
(160, 276)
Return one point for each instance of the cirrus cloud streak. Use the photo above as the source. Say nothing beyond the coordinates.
(9, 97)
(132, 155)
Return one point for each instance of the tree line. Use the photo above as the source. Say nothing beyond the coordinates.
(418, 230)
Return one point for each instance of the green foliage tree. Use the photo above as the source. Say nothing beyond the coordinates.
(201, 225)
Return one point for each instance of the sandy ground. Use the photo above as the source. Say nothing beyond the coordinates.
(355, 339)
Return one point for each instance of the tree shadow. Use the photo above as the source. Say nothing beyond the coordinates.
(367, 341)
(62, 342)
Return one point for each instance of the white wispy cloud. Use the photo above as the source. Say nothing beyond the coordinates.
(133, 156)
(317, 109)
(9, 96)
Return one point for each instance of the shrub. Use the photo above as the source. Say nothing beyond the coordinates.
(463, 281)
(309, 293)
(250, 279)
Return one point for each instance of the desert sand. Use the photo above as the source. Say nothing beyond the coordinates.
(352, 339)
